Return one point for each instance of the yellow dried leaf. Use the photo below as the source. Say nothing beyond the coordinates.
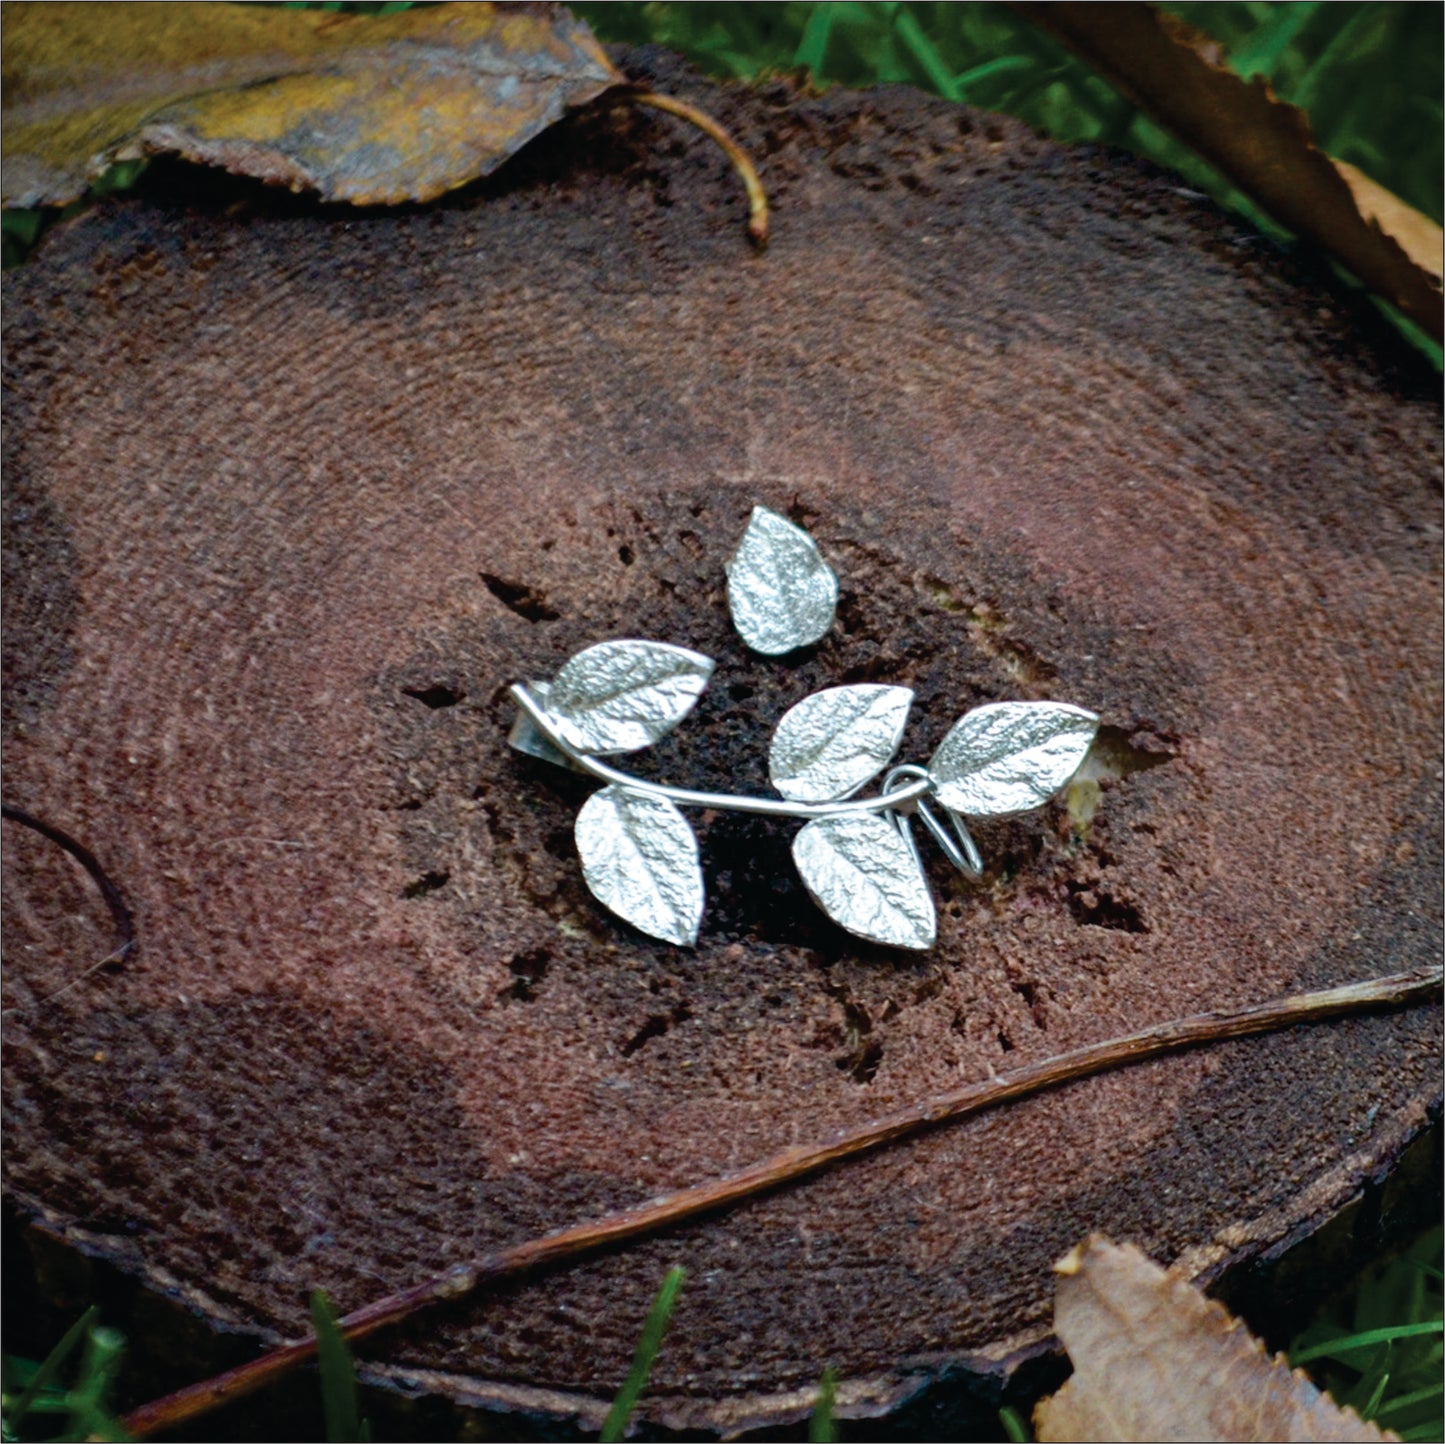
(1154, 1359)
(368, 109)
(1418, 236)
(1262, 144)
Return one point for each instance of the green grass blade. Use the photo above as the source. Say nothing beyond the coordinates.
(47, 1371)
(1264, 47)
(89, 1417)
(1433, 352)
(813, 47)
(615, 1424)
(1423, 1433)
(821, 1427)
(1405, 1402)
(1348, 39)
(119, 177)
(997, 66)
(54, 1403)
(1349, 1343)
(1367, 1409)
(1013, 1426)
(339, 1395)
(20, 231)
(921, 48)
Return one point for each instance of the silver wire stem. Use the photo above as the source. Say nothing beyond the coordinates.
(963, 854)
(721, 801)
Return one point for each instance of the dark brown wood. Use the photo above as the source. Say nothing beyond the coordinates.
(293, 496)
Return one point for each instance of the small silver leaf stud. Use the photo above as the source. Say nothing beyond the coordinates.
(781, 592)
(639, 858)
(862, 873)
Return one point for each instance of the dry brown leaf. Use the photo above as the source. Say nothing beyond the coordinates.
(1261, 143)
(368, 109)
(1154, 1359)
(1419, 237)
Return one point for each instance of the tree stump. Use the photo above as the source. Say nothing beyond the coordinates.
(294, 494)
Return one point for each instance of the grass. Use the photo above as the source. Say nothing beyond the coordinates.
(1380, 1350)
(34, 1389)
(1012, 1426)
(33, 1400)
(615, 1425)
(822, 1427)
(340, 1396)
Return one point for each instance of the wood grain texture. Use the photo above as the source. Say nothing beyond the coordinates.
(293, 497)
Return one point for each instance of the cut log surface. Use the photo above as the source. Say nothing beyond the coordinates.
(293, 496)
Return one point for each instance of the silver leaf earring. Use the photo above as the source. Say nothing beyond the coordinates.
(857, 857)
(781, 592)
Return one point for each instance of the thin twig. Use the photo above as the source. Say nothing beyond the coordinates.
(180, 1408)
(742, 162)
(120, 914)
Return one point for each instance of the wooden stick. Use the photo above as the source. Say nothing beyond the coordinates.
(1399, 989)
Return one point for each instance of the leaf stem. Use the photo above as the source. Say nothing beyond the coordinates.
(721, 801)
(1396, 990)
(120, 914)
(742, 162)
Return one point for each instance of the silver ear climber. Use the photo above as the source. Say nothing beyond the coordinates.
(857, 856)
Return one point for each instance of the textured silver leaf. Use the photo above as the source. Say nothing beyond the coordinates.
(1010, 756)
(619, 696)
(525, 737)
(780, 590)
(639, 857)
(863, 874)
(831, 743)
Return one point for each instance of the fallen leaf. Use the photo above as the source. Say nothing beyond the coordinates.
(1264, 145)
(367, 109)
(1154, 1359)
(1419, 237)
